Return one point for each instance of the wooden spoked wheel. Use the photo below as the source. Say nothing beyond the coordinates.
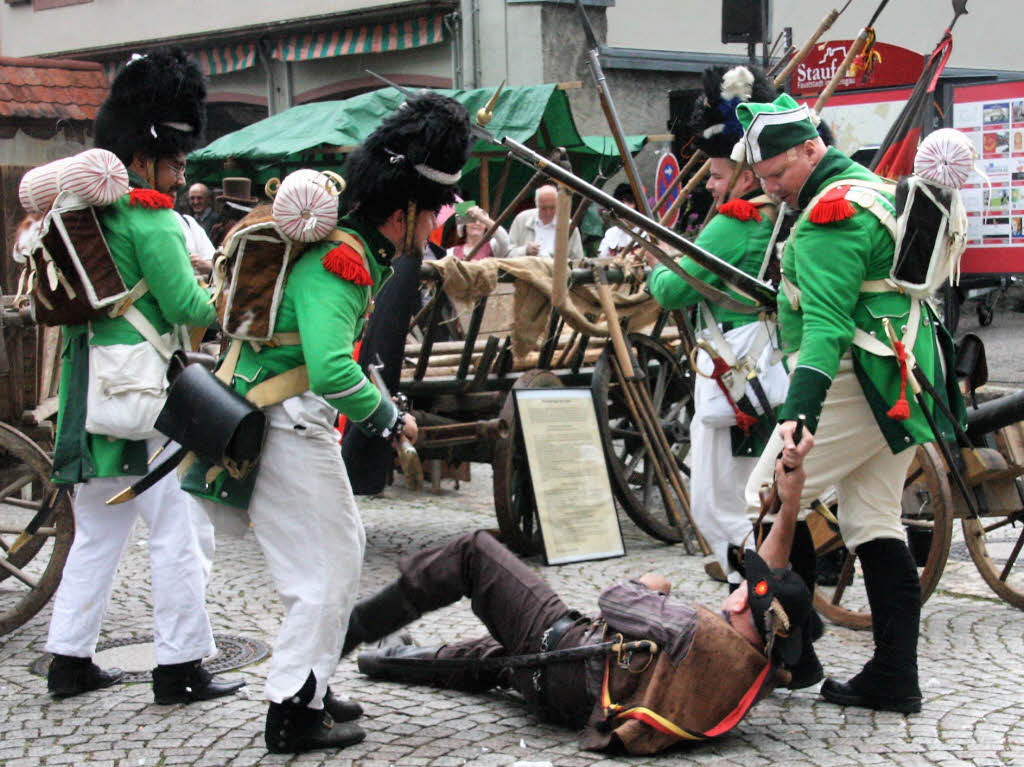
(995, 544)
(31, 572)
(514, 503)
(630, 462)
(927, 514)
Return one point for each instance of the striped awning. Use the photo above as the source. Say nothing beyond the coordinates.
(212, 61)
(229, 58)
(371, 38)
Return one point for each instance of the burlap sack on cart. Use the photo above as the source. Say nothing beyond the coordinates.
(466, 282)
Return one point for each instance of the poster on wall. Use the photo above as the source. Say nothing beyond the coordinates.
(859, 121)
(992, 117)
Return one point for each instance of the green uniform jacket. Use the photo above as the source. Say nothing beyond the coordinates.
(328, 312)
(828, 262)
(144, 242)
(741, 243)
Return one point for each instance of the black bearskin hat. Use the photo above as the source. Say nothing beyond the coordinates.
(415, 155)
(156, 106)
(714, 126)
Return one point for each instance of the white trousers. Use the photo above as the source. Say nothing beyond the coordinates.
(307, 523)
(181, 628)
(717, 501)
(851, 455)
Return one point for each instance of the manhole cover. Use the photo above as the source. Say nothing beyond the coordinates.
(137, 656)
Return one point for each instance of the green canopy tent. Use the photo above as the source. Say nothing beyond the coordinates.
(319, 135)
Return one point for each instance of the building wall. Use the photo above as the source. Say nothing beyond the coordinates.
(25, 32)
(987, 38)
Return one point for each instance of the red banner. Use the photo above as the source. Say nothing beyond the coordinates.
(897, 66)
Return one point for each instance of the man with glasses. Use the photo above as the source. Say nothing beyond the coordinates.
(846, 379)
(152, 116)
(533, 231)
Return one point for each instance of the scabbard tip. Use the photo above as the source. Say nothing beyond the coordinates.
(125, 495)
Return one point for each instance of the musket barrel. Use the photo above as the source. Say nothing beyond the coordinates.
(994, 415)
(760, 292)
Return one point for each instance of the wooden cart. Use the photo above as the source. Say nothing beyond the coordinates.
(36, 522)
(459, 391)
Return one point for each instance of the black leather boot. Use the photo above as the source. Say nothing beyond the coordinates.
(808, 670)
(188, 682)
(888, 682)
(341, 710)
(415, 665)
(69, 676)
(377, 616)
(294, 728)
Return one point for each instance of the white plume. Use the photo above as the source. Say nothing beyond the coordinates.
(738, 81)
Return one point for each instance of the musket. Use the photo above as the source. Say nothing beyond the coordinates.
(762, 294)
(533, 660)
(608, 107)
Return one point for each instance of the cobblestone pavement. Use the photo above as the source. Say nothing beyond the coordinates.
(971, 674)
(972, 666)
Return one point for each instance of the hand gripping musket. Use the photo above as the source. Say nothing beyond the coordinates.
(408, 458)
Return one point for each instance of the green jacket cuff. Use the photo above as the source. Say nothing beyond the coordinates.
(807, 390)
(383, 417)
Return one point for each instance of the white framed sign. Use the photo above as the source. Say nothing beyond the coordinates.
(570, 477)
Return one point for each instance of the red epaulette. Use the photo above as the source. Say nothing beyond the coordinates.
(833, 206)
(150, 198)
(740, 209)
(346, 262)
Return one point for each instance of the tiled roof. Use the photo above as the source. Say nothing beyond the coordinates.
(36, 88)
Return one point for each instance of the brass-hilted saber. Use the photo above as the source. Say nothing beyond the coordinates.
(762, 294)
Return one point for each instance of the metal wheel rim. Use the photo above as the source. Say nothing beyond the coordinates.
(20, 601)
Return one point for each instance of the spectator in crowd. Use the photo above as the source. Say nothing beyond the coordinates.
(202, 210)
(472, 225)
(533, 231)
(236, 201)
(617, 241)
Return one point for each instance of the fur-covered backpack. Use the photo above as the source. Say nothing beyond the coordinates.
(259, 250)
(68, 269)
